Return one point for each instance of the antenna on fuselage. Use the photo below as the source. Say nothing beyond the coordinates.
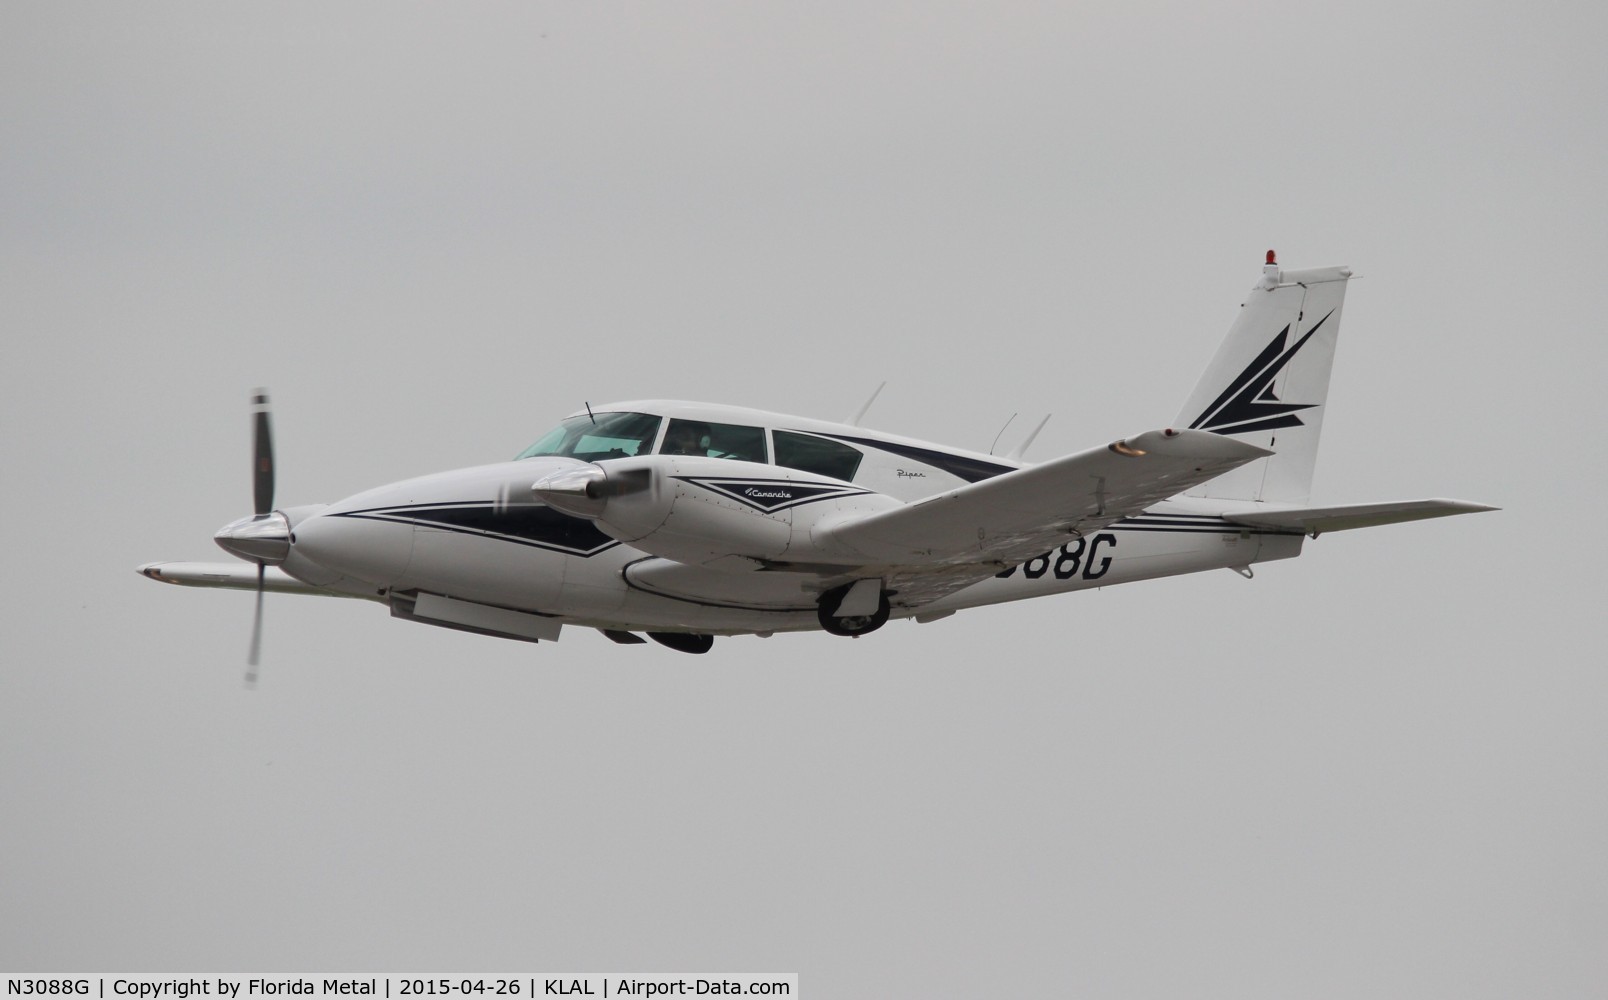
(854, 421)
(589, 413)
(1019, 450)
(1001, 433)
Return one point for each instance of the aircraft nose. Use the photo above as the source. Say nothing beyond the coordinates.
(373, 549)
(264, 538)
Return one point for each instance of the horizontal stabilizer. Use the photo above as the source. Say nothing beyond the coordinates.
(1316, 520)
(1016, 515)
(231, 576)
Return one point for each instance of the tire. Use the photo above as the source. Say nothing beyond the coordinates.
(852, 625)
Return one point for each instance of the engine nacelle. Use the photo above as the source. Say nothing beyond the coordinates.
(704, 510)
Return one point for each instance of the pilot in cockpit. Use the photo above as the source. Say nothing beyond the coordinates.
(686, 437)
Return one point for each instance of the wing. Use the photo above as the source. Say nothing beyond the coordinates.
(1015, 516)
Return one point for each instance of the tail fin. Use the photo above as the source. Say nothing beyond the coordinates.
(1269, 381)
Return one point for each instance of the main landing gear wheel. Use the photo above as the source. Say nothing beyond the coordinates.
(850, 625)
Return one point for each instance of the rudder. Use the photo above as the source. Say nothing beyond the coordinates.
(1269, 382)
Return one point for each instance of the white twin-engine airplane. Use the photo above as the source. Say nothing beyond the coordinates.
(686, 521)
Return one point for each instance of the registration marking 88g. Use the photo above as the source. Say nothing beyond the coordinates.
(1067, 561)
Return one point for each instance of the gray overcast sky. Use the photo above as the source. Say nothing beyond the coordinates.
(432, 230)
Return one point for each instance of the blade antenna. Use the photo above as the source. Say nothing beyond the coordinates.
(1001, 433)
(1021, 449)
(854, 421)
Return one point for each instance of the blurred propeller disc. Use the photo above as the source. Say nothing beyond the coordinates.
(256, 632)
(262, 496)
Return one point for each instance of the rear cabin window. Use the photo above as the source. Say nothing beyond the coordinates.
(697, 437)
(817, 455)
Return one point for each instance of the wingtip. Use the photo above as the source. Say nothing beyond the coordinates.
(1466, 506)
(1196, 444)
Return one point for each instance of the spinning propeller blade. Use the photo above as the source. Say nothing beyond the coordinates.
(256, 632)
(262, 488)
(262, 451)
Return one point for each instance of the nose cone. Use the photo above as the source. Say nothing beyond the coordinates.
(370, 536)
(264, 538)
(373, 548)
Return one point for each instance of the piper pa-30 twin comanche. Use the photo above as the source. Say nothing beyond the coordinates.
(686, 521)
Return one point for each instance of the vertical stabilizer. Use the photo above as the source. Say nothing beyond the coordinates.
(1269, 382)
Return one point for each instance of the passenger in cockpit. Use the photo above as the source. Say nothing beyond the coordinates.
(686, 438)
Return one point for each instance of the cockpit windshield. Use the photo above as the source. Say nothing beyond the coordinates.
(593, 437)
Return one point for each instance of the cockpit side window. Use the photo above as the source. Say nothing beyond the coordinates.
(593, 437)
(818, 455)
(697, 437)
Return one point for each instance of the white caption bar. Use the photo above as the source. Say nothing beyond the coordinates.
(457, 986)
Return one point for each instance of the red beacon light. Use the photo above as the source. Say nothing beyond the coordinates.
(1272, 258)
